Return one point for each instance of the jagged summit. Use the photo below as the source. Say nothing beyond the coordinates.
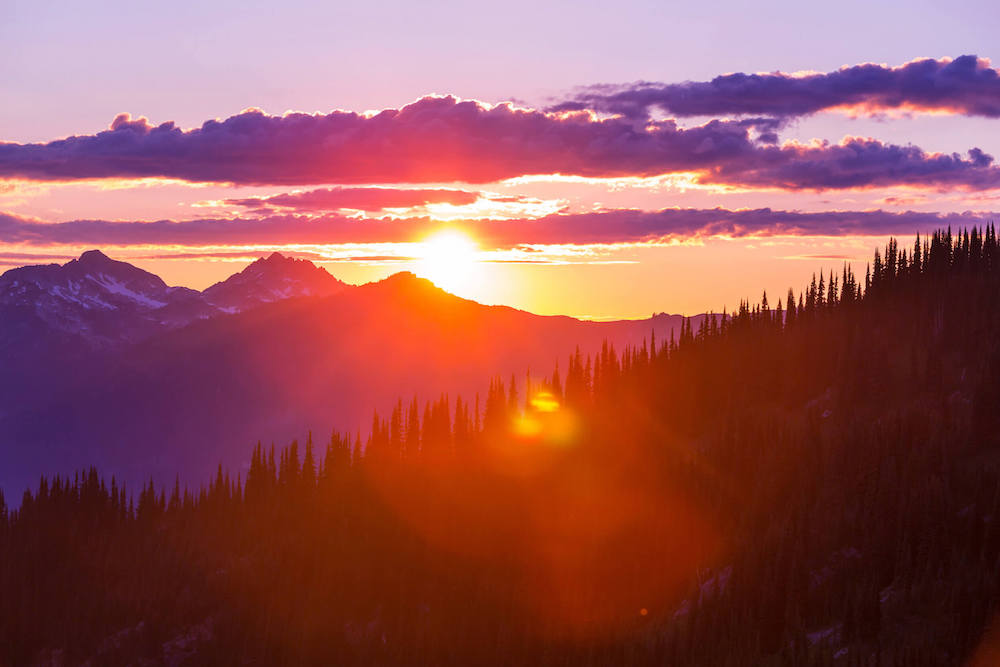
(269, 279)
(277, 262)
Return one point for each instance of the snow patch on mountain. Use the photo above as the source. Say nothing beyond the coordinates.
(117, 287)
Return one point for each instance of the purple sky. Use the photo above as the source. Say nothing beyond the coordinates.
(71, 67)
(712, 134)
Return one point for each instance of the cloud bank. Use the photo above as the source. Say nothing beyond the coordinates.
(433, 140)
(967, 86)
(443, 140)
(604, 227)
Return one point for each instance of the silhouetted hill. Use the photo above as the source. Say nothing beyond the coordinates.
(186, 398)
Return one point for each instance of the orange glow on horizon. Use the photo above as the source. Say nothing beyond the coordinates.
(595, 282)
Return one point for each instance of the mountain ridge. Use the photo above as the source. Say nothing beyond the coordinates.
(188, 394)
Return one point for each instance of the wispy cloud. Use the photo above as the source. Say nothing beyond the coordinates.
(610, 227)
(360, 199)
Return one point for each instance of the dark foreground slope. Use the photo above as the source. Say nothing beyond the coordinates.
(814, 486)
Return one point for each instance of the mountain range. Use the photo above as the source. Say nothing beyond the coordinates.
(107, 302)
(106, 364)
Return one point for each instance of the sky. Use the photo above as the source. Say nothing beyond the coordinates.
(577, 158)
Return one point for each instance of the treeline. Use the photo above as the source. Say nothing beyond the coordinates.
(814, 483)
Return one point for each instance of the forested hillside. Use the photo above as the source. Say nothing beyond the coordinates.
(811, 480)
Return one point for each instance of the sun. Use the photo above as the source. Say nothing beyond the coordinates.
(449, 259)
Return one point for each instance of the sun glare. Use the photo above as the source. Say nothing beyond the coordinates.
(450, 260)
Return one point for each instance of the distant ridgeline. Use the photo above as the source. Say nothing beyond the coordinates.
(813, 484)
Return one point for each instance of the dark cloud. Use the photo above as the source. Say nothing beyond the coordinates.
(965, 85)
(857, 163)
(625, 226)
(433, 140)
(362, 199)
(610, 227)
(447, 140)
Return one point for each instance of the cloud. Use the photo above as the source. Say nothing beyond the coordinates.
(272, 231)
(601, 227)
(857, 163)
(966, 85)
(433, 140)
(634, 226)
(18, 256)
(22, 258)
(361, 199)
(234, 255)
(442, 139)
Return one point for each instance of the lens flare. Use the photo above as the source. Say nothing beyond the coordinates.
(544, 401)
(545, 420)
